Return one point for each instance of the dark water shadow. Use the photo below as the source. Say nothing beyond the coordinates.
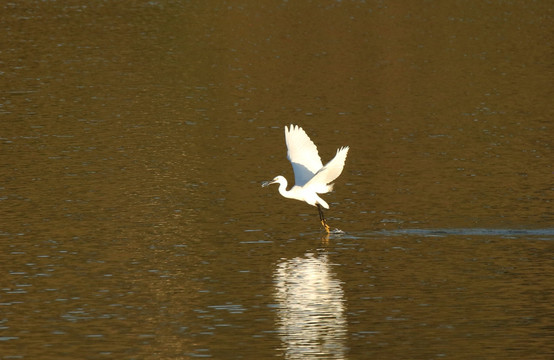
(538, 234)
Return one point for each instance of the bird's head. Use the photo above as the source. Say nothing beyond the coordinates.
(276, 180)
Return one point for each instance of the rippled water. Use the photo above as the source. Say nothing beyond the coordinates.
(134, 139)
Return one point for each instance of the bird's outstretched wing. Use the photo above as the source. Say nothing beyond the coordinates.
(303, 155)
(330, 171)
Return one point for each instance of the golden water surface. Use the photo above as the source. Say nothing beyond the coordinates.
(134, 137)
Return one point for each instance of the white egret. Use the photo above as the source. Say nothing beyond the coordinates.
(310, 176)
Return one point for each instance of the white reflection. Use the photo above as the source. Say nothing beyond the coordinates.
(311, 309)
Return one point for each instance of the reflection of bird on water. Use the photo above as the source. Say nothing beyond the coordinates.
(311, 310)
(310, 176)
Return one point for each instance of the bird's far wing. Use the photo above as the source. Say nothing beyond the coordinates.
(302, 153)
(331, 170)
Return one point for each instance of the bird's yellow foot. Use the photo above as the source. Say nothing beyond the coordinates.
(327, 228)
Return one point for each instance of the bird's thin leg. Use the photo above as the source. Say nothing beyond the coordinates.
(322, 219)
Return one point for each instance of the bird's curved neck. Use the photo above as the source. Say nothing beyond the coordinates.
(283, 188)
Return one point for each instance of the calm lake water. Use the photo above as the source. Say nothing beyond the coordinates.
(134, 138)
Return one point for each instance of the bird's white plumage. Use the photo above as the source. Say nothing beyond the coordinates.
(331, 170)
(311, 177)
(303, 155)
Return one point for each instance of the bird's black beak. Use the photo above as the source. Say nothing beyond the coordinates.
(266, 183)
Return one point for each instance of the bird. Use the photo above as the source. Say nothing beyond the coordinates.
(310, 176)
